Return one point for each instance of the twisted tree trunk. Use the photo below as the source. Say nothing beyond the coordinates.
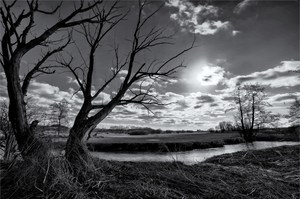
(76, 150)
(28, 144)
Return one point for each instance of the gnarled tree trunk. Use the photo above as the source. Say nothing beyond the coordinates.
(28, 144)
(76, 150)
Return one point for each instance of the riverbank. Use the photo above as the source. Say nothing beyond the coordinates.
(269, 173)
(175, 142)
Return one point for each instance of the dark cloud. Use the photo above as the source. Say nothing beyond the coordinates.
(182, 105)
(148, 117)
(245, 79)
(205, 99)
(214, 105)
(197, 106)
(186, 121)
(156, 107)
(215, 114)
(287, 97)
(230, 98)
(127, 112)
(170, 121)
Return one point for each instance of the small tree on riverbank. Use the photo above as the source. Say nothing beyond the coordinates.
(250, 100)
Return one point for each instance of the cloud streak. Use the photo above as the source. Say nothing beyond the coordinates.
(283, 75)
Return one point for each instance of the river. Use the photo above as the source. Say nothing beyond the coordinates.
(188, 157)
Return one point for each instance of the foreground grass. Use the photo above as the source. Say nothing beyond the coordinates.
(270, 173)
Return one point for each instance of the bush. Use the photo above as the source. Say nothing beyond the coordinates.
(234, 141)
(138, 133)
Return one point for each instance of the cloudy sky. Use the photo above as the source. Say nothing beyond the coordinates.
(236, 42)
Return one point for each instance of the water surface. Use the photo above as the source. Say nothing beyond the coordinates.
(188, 157)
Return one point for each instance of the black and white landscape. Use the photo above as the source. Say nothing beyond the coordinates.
(150, 99)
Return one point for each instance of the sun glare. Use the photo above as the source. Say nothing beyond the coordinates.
(210, 75)
(203, 74)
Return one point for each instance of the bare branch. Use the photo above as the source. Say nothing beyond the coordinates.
(63, 23)
(73, 71)
(51, 11)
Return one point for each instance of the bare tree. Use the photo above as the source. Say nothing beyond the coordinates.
(294, 113)
(59, 114)
(250, 101)
(19, 38)
(143, 39)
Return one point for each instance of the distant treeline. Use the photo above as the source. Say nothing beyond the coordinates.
(149, 131)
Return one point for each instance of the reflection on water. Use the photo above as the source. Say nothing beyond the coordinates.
(187, 157)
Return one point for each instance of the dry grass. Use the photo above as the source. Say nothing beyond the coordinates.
(271, 173)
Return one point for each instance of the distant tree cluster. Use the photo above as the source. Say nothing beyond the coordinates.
(226, 126)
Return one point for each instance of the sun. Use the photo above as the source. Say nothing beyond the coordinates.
(210, 75)
(203, 76)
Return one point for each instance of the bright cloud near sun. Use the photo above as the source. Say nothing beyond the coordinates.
(210, 75)
(204, 75)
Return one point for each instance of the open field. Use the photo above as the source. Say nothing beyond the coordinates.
(271, 173)
(165, 138)
(164, 142)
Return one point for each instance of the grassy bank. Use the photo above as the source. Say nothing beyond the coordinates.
(271, 173)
